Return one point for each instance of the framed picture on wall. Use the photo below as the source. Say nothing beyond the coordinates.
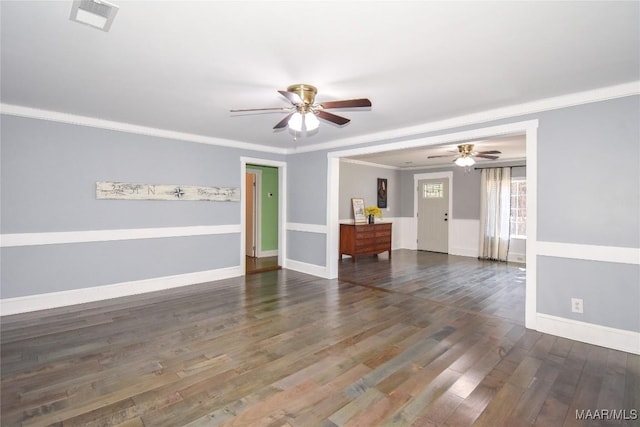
(382, 192)
(358, 211)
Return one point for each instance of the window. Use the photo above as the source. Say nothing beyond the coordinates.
(518, 219)
(433, 191)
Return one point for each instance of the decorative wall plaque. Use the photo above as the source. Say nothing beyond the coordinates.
(132, 191)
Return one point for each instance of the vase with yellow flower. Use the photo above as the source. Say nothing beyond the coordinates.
(372, 212)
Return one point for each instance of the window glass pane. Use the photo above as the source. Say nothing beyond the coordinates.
(433, 191)
(518, 218)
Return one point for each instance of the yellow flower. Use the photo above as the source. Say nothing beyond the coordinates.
(373, 210)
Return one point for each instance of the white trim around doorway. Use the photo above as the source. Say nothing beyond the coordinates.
(282, 207)
(528, 127)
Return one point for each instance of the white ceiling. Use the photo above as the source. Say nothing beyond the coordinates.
(180, 66)
(512, 148)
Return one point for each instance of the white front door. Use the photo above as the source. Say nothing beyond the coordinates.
(433, 215)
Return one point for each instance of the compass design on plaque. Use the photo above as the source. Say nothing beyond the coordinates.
(178, 192)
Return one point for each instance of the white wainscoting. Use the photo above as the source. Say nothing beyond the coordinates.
(304, 267)
(463, 234)
(78, 296)
(407, 233)
(517, 250)
(604, 336)
(464, 237)
(46, 301)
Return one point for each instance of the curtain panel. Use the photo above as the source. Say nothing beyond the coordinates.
(495, 207)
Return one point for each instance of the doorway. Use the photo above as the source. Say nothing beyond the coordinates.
(433, 215)
(261, 219)
(527, 128)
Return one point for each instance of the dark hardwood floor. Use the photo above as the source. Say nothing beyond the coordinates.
(424, 340)
(465, 283)
(260, 265)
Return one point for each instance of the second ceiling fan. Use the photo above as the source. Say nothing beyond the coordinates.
(466, 154)
(304, 109)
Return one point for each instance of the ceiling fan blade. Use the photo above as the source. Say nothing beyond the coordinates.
(333, 118)
(294, 98)
(283, 123)
(489, 152)
(236, 110)
(486, 156)
(435, 157)
(349, 103)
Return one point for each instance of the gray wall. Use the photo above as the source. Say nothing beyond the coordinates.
(588, 193)
(589, 177)
(307, 188)
(48, 175)
(466, 189)
(358, 180)
(307, 247)
(28, 270)
(600, 284)
(466, 192)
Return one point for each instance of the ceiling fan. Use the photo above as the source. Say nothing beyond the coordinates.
(466, 154)
(304, 109)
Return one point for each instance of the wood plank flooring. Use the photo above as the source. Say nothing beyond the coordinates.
(260, 265)
(423, 340)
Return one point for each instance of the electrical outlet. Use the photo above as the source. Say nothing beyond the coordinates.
(576, 305)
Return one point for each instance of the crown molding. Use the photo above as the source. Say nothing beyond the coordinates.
(54, 116)
(370, 164)
(562, 101)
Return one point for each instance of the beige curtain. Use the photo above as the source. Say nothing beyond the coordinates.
(495, 206)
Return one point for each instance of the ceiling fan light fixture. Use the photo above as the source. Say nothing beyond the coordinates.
(95, 13)
(311, 121)
(465, 161)
(295, 122)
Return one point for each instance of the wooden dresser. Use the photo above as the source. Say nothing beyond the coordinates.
(365, 239)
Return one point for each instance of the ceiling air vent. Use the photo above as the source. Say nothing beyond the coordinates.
(96, 13)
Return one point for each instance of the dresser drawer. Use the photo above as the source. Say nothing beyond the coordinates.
(380, 234)
(365, 239)
(366, 234)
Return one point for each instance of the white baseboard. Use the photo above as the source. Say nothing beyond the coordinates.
(468, 252)
(303, 267)
(520, 258)
(46, 301)
(617, 339)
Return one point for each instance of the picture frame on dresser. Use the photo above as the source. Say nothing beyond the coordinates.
(359, 216)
